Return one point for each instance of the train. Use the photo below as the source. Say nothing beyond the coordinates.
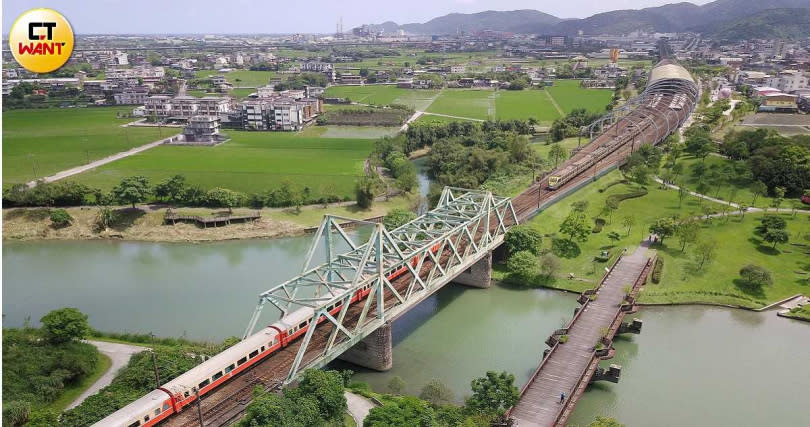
(173, 396)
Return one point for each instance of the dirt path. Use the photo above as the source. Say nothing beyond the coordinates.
(554, 103)
(119, 354)
(359, 406)
(94, 164)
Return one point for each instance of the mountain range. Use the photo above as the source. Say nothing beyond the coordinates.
(731, 19)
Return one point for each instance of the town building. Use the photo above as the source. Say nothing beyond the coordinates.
(184, 107)
(131, 97)
(202, 129)
(789, 81)
(778, 102)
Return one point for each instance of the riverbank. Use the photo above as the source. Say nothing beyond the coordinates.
(145, 223)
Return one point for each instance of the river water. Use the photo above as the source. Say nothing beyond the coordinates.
(690, 366)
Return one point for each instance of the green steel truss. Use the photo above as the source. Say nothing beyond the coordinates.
(465, 225)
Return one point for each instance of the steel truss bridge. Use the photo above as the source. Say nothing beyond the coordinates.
(430, 250)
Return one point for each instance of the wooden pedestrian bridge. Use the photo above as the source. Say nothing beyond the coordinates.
(572, 362)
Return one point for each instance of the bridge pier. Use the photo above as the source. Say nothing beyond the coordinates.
(374, 351)
(479, 275)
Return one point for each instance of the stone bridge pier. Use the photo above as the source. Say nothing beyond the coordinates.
(375, 351)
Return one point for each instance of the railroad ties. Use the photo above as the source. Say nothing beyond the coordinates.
(573, 360)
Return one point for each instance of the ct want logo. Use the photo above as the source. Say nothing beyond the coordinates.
(41, 40)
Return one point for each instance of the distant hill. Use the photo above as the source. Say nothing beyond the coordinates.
(668, 18)
(767, 24)
(673, 17)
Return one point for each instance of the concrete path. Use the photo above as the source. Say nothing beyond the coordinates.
(359, 406)
(415, 116)
(94, 164)
(119, 354)
(453, 117)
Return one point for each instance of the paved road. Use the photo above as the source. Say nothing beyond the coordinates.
(84, 168)
(119, 354)
(359, 406)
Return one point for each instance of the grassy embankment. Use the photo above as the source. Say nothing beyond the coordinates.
(682, 281)
(38, 143)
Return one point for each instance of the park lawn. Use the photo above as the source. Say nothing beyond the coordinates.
(72, 391)
(645, 210)
(738, 246)
(472, 103)
(241, 93)
(248, 78)
(724, 190)
(569, 95)
(250, 162)
(51, 140)
(525, 104)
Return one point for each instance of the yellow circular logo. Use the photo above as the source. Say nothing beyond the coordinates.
(41, 40)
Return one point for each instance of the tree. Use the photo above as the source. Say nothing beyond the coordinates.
(171, 189)
(758, 188)
(699, 145)
(771, 222)
(523, 238)
(549, 265)
(742, 208)
(405, 411)
(326, 387)
(523, 265)
(756, 276)
(557, 153)
(628, 221)
(493, 394)
(601, 421)
(222, 198)
(436, 393)
(682, 192)
(60, 218)
(271, 409)
(64, 324)
(776, 236)
(580, 206)
(612, 204)
(133, 189)
(397, 217)
(778, 197)
(705, 252)
(396, 385)
(364, 191)
(663, 228)
(575, 227)
(614, 236)
(687, 233)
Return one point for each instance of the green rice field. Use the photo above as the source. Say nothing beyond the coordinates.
(384, 95)
(476, 104)
(250, 162)
(523, 104)
(241, 78)
(38, 143)
(569, 95)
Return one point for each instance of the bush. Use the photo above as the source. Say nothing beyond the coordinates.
(523, 238)
(60, 218)
(523, 266)
(599, 223)
(658, 269)
(397, 217)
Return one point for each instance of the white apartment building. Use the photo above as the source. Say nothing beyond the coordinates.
(184, 107)
(789, 81)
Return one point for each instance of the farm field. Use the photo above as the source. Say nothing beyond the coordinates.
(476, 104)
(523, 104)
(383, 95)
(250, 162)
(50, 140)
(569, 96)
(241, 78)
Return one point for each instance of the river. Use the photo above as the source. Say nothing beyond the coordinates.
(690, 366)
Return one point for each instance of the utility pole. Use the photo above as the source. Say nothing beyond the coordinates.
(199, 407)
(154, 362)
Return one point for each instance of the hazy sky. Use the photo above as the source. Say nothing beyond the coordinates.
(286, 16)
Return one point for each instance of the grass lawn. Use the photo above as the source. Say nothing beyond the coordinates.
(724, 190)
(739, 245)
(55, 139)
(246, 78)
(71, 392)
(250, 162)
(368, 132)
(569, 95)
(241, 92)
(523, 104)
(476, 104)
(645, 210)
(801, 312)
(543, 148)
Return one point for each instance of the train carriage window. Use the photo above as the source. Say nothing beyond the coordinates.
(146, 418)
(253, 354)
(290, 332)
(165, 406)
(186, 394)
(262, 348)
(217, 376)
(229, 368)
(157, 411)
(204, 383)
(302, 325)
(135, 424)
(241, 361)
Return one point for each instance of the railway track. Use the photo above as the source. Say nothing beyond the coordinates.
(226, 404)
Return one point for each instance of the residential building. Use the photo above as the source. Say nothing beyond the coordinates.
(779, 102)
(458, 69)
(350, 79)
(316, 66)
(184, 107)
(131, 97)
(203, 129)
(789, 81)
